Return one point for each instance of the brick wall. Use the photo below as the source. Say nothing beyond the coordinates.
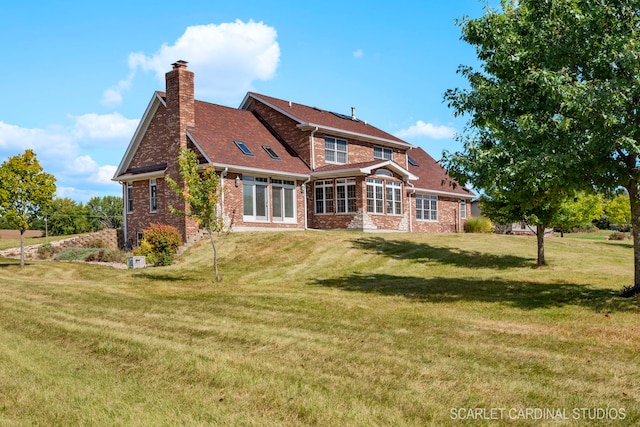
(448, 217)
(357, 151)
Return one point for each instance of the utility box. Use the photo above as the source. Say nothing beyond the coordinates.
(136, 262)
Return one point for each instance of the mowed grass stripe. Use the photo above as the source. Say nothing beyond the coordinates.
(313, 328)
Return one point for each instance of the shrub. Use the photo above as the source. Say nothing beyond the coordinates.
(618, 235)
(95, 243)
(145, 250)
(46, 251)
(164, 240)
(478, 225)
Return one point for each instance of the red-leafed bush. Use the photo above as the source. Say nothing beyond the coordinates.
(164, 240)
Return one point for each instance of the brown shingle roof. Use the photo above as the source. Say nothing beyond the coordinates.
(316, 116)
(432, 176)
(216, 129)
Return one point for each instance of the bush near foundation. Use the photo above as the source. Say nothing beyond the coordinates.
(478, 224)
(164, 240)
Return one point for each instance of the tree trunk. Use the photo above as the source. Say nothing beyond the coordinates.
(540, 237)
(22, 248)
(635, 232)
(215, 255)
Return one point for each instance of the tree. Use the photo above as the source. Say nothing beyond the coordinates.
(104, 212)
(514, 148)
(66, 216)
(200, 191)
(579, 211)
(583, 57)
(25, 190)
(618, 211)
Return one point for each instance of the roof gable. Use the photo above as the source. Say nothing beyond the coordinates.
(309, 118)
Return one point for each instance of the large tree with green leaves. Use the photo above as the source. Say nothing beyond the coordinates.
(514, 148)
(200, 189)
(104, 212)
(25, 190)
(582, 59)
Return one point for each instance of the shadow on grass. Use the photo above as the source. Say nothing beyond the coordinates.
(522, 295)
(167, 277)
(422, 252)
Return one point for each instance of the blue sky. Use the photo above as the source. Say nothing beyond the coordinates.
(77, 75)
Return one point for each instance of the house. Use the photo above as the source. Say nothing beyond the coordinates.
(283, 166)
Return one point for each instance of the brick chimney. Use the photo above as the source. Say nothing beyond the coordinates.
(180, 116)
(180, 102)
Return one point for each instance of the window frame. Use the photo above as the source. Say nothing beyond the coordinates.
(129, 192)
(254, 184)
(287, 189)
(383, 151)
(348, 199)
(332, 152)
(428, 199)
(375, 197)
(393, 204)
(153, 195)
(326, 201)
(463, 209)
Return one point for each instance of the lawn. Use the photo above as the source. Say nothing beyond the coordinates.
(327, 329)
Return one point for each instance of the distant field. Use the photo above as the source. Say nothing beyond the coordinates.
(328, 329)
(15, 234)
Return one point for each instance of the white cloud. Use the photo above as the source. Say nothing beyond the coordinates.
(80, 155)
(226, 58)
(103, 126)
(426, 130)
(358, 53)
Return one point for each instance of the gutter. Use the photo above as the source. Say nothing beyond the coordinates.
(304, 201)
(223, 174)
(313, 150)
(124, 214)
(413, 191)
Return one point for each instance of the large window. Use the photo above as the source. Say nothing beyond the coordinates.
(394, 198)
(374, 195)
(335, 150)
(345, 195)
(153, 195)
(282, 200)
(324, 196)
(426, 207)
(129, 197)
(255, 198)
(382, 153)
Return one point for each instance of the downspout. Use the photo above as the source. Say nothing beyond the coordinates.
(223, 174)
(304, 198)
(124, 213)
(413, 191)
(313, 150)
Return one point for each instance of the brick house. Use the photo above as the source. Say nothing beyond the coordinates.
(283, 165)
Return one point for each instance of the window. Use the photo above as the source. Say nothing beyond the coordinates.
(463, 209)
(384, 172)
(382, 153)
(139, 237)
(426, 207)
(243, 147)
(345, 195)
(271, 153)
(411, 161)
(153, 195)
(255, 198)
(324, 196)
(283, 200)
(394, 198)
(129, 197)
(335, 150)
(374, 196)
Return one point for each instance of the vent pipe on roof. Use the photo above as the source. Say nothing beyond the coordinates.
(353, 113)
(289, 104)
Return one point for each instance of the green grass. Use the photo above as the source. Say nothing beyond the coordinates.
(326, 329)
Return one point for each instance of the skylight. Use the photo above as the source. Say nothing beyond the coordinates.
(243, 147)
(271, 153)
(412, 162)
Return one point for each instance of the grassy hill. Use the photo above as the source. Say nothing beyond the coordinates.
(327, 328)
